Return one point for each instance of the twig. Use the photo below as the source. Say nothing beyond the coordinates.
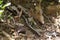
(47, 18)
(31, 26)
(23, 9)
(7, 35)
(10, 25)
(20, 13)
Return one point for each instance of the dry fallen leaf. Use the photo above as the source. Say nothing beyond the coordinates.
(37, 15)
(52, 10)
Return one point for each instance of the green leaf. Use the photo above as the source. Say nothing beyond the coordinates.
(1, 12)
(1, 2)
(8, 4)
(0, 5)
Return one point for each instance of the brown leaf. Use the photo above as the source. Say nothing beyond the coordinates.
(37, 15)
(52, 10)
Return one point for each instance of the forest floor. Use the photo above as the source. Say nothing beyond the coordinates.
(18, 24)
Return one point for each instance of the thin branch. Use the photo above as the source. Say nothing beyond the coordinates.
(31, 26)
(23, 9)
(7, 35)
